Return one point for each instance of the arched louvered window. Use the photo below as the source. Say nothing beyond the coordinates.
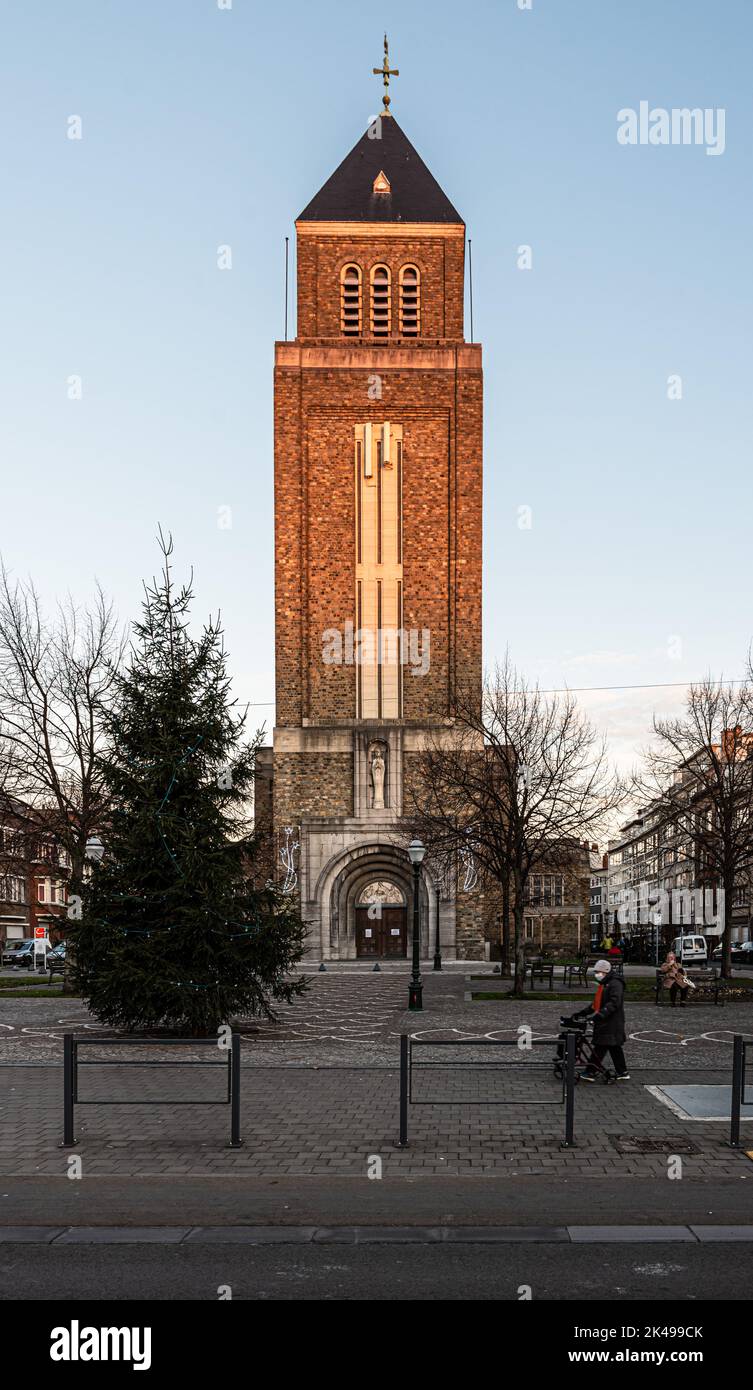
(410, 302)
(381, 306)
(351, 301)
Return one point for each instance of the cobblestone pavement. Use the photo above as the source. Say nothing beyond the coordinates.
(320, 1092)
(354, 1017)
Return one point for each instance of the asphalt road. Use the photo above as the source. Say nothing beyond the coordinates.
(655, 1272)
(338, 1201)
(333, 1201)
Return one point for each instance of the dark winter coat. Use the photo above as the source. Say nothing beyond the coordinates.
(609, 1022)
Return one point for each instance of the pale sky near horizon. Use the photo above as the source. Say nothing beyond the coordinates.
(204, 127)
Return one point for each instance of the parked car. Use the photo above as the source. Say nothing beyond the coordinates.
(741, 954)
(691, 949)
(20, 954)
(56, 960)
(14, 950)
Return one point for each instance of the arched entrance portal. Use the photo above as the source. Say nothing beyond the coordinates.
(345, 886)
(381, 921)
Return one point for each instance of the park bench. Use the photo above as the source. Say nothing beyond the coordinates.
(542, 970)
(707, 984)
(576, 974)
(616, 962)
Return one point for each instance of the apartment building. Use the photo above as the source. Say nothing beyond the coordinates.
(34, 872)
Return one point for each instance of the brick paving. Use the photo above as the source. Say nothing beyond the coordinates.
(351, 1015)
(320, 1092)
(332, 1120)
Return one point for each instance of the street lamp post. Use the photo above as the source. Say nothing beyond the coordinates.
(416, 852)
(437, 947)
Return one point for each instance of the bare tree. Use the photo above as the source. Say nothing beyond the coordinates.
(698, 779)
(518, 780)
(56, 678)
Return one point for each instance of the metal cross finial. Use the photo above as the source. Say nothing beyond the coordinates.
(386, 72)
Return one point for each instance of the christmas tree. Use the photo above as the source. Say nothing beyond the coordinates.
(173, 934)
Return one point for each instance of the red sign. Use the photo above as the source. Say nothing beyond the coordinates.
(40, 933)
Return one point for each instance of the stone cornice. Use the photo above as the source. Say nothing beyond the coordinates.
(379, 357)
(380, 231)
(313, 738)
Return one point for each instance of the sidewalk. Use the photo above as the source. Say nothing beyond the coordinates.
(320, 1095)
(303, 1121)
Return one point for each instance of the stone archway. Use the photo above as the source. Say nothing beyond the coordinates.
(345, 879)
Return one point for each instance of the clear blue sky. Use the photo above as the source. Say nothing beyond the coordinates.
(204, 127)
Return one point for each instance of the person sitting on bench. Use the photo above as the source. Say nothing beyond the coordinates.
(674, 979)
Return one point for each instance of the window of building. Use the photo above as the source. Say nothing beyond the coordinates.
(545, 890)
(12, 889)
(50, 891)
(410, 302)
(381, 301)
(12, 841)
(529, 928)
(351, 301)
(379, 575)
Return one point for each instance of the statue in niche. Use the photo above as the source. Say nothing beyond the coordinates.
(378, 767)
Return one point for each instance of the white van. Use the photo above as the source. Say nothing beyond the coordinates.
(690, 949)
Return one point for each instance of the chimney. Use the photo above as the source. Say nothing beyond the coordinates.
(731, 740)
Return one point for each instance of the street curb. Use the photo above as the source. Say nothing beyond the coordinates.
(370, 1235)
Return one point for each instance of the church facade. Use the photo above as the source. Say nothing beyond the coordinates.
(378, 531)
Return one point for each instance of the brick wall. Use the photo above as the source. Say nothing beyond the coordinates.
(555, 930)
(262, 858)
(324, 386)
(440, 409)
(473, 912)
(315, 786)
(440, 261)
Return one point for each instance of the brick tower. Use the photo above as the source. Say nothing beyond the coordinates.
(378, 445)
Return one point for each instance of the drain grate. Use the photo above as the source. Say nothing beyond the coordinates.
(635, 1144)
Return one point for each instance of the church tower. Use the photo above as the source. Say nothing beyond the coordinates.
(378, 444)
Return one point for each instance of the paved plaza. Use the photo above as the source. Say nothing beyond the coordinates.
(320, 1092)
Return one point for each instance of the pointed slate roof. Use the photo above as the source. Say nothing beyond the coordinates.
(348, 195)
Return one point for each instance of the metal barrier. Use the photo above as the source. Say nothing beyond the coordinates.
(407, 1044)
(71, 1064)
(740, 1047)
